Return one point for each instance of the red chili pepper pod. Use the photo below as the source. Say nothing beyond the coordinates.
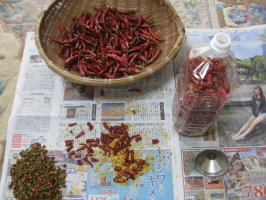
(94, 145)
(72, 124)
(79, 162)
(87, 161)
(138, 139)
(69, 142)
(90, 125)
(71, 153)
(155, 141)
(105, 125)
(118, 168)
(89, 154)
(77, 156)
(94, 160)
(154, 34)
(89, 149)
(90, 140)
(81, 148)
(136, 169)
(69, 148)
(154, 57)
(141, 162)
(131, 153)
(80, 134)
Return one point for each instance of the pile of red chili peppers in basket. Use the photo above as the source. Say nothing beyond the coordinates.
(110, 44)
(115, 142)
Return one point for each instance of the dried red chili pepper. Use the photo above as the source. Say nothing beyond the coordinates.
(69, 148)
(89, 154)
(126, 154)
(69, 142)
(79, 162)
(154, 57)
(141, 162)
(87, 161)
(103, 148)
(131, 153)
(81, 148)
(80, 134)
(89, 149)
(77, 156)
(72, 124)
(90, 140)
(94, 145)
(155, 141)
(138, 139)
(131, 172)
(94, 160)
(118, 168)
(123, 174)
(154, 34)
(134, 90)
(71, 153)
(90, 125)
(105, 125)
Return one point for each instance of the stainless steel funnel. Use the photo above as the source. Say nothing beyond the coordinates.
(212, 163)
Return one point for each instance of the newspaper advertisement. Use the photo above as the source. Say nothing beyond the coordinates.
(244, 180)
(50, 110)
(236, 131)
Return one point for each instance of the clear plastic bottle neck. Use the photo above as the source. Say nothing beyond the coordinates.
(220, 45)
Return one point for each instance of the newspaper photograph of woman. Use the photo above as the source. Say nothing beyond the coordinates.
(258, 114)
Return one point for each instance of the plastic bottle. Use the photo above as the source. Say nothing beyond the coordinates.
(208, 76)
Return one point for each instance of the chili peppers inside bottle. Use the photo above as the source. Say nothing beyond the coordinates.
(207, 77)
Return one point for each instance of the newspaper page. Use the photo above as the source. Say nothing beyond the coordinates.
(236, 13)
(232, 132)
(49, 110)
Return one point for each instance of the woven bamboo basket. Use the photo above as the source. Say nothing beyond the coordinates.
(167, 25)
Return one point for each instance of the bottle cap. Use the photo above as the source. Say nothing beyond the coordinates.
(220, 44)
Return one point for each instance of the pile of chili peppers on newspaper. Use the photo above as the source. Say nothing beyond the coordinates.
(200, 98)
(35, 175)
(116, 142)
(110, 44)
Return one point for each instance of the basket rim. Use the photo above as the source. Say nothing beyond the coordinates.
(110, 82)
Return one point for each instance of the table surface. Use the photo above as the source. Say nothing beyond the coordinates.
(19, 17)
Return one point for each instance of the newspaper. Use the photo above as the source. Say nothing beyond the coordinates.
(235, 13)
(246, 178)
(45, 104)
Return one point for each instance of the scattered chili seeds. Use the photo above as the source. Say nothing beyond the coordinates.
(35, 175)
